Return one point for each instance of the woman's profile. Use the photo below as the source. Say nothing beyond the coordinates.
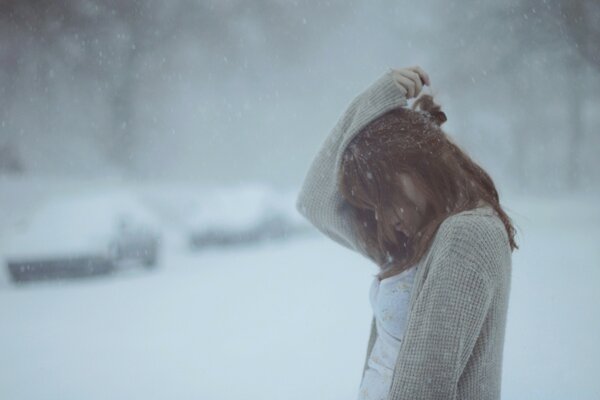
(390, 184)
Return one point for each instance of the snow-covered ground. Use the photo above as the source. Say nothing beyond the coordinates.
(287, 319)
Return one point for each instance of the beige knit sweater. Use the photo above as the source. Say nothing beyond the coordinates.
(453, 344)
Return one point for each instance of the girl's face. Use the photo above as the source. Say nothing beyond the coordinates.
(409, 205)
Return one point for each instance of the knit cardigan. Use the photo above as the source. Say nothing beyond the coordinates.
(453, 344)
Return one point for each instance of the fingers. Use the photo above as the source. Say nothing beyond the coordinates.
(408, 84)
(424, 76)
(418, 84)
(411, 80)
(401, 85)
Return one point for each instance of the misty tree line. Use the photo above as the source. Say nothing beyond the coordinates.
(110, 41)
(519, 41)
(111, 44)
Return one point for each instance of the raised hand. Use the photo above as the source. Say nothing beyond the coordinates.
(410, 80)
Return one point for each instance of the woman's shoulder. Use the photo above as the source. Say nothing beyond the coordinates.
(477, 223)
(478, 237)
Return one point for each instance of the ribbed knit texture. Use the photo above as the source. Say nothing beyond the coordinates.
(454, 339)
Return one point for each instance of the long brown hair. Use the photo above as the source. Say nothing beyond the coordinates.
(411, 141)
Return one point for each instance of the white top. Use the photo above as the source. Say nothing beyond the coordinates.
(389, 300)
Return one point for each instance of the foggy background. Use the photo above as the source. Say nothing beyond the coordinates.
(197, 90)
(200, 119)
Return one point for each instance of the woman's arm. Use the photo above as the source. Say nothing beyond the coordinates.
(448, 314)
(319, 200)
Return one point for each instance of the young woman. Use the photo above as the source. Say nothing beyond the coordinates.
(390, 184)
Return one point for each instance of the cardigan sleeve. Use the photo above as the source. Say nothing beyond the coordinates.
(319, 200)
(446, 320)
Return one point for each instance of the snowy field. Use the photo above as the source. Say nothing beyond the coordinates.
(285, 319)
